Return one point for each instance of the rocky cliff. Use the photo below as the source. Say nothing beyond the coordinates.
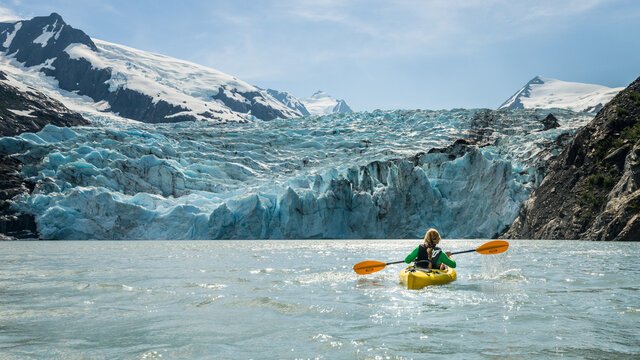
(23, 109)
(592, 189)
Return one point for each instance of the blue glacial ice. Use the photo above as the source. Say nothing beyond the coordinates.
(381, 174)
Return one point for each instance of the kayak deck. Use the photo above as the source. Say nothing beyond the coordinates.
(417, 278)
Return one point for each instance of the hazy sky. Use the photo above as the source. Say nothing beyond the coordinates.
(376, 54)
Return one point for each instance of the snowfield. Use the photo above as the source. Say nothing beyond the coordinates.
(544, 93)
(175, 81)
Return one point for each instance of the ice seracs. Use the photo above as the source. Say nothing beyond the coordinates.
(545, 93)
(384, 174)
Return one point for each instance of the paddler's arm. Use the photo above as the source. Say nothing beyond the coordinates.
(445, 259)
(412, 256)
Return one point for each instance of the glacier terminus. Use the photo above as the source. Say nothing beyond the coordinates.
(381, 174)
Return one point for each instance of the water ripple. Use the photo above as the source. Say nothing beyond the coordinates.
(137, 300)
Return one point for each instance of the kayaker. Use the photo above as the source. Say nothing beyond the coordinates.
(428, 255)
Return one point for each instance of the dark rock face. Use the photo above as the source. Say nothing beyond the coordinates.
(342, 107)
(456, 150)
(27, 44)
(592, 189)
(12, 223)
(524, 92)
(550, 122)
(42, 40)
(24, 111)
(30, 111)
(289, 101)
(255, 107)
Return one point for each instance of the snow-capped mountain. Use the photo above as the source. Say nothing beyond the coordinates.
(288, 100)
(322, 103)
(132, 83)
(545, 93)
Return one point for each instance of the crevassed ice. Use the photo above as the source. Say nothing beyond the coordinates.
(361, 175)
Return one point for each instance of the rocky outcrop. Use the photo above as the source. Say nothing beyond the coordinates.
(592, 189)
(288, 100)
(14, 224)
(23, 110)
(550, 122)
(30, 110)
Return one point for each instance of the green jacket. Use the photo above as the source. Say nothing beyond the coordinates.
(443, 258)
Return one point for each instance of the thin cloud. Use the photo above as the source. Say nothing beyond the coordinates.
(7, 15)
(408, 26)
(275, 37)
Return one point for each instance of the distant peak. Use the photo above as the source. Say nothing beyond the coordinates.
(320, 93)
(538, 80)
(54, 20)
(54, 17)
(548, 93)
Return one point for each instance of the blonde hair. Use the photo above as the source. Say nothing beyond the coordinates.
(431, 239)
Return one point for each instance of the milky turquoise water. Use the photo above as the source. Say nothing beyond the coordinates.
(301, 299)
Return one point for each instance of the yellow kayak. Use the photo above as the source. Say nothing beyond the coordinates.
(417, 278)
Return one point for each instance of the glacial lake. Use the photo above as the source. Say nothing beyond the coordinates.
(302, 300)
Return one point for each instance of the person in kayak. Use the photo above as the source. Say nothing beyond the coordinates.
(428, 255)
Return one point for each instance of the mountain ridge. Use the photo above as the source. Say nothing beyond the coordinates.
(134, 89)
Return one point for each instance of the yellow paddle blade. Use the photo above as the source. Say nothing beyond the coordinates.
(368, 267)
(493, 247)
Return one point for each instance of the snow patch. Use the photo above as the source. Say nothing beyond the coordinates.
(47, 34)
(48, 64)
(10, 37)
(78, 51)
(26, 113)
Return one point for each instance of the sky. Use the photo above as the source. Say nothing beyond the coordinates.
(374, 54)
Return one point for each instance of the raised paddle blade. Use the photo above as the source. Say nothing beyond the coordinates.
(368, 267)
(493, 247)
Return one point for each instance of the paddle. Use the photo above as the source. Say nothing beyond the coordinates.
(490, 248)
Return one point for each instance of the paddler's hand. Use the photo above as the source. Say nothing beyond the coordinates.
(448, 253)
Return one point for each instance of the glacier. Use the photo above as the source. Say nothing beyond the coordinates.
(379, 174)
